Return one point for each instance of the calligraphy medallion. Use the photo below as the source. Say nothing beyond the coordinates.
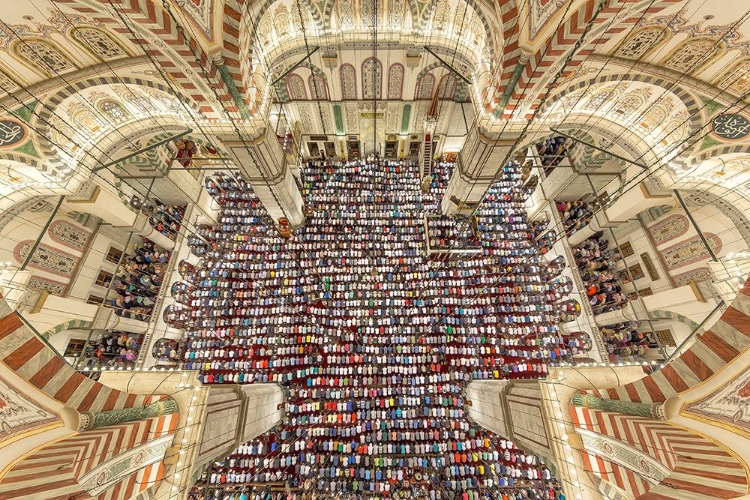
(731, 126)
(12, 133)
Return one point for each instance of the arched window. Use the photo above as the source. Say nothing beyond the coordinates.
(425, 86)
(264, 31)
(656, 116)
(395, 81)
(693, 55)
(114, 110)
(641, 42)
(628, 104)
(86, 121)
(441, 17)
(447, 89)
(42, 56)
(737, 79)
(295, 87)
(372, 78)
(318, 87)
(169, 102)
(597, 100)
(141, 102)
(345, 13)
(348, 82)
(99, 43)
(281, 21)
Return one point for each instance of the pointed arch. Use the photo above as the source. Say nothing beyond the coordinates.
(693, 55)
(643, 41)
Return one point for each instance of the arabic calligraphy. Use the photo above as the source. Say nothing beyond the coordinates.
(11, 133)
(731, 126)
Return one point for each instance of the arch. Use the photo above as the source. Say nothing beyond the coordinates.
(629, 103)
(691, 104)
(372, 78)
(238, 9)
(420, 22)
(642, 41)
(395, 81)
(98, 42)
(693, 55)
(597, 100)
(42, 56)
(348, 76)
(425, 86)
(47, 117)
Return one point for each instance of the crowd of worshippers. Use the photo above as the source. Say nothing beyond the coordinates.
(170, 350)
(596, 266)
(575, 215)
(373, 341)
(113, 349)
(165, 218)
(545, 240)
(625, 342)
(552, 151)
(444, 233)
(138, 280)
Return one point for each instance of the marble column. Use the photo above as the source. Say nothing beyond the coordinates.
(91, 420)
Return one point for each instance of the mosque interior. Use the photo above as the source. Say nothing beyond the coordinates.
(374, 249)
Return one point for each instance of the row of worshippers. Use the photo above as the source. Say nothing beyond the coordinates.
(115, 349)
(624, 342)
(166, 219)
(575, 215)
(138, 281)
(596, 265)
(297, 290)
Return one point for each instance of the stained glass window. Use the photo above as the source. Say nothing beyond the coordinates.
(318, 87)
(692, 55)
(295, 87)
(641, 42)
(447, 87)
(395, 81)
(372, 76)
(114, 110)
(98, 42)
(425, 86)
(348, 82)
(737, 79)
(43, 56)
